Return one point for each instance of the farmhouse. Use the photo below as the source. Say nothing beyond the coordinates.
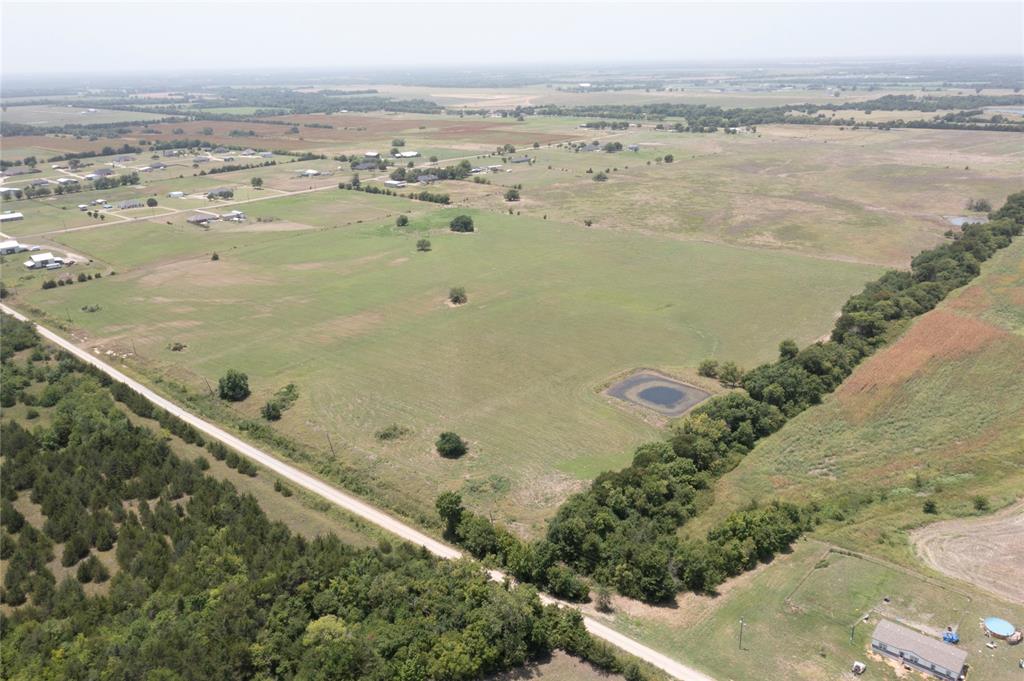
(130, 203)
(634, 147)
(67, 180)
(201, 159)
(103, 172)
(365, 165)
(11, 217)
(248, 152)
(593, 146)
(406, 154)
(521, 159)
(394, 183)
(175, 195)
(39, 183)
(267, 154)
(11, 246)
(929, 655)
(426, 179)
(41, 261)
(158, 166)
(220, 150)
(233, 216)
(82, 206)
(200, 219)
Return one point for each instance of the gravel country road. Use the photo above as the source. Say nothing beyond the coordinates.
(354, 505)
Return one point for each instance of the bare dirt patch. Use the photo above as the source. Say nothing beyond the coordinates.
(938, 335)
(986, 552)
(275, 226)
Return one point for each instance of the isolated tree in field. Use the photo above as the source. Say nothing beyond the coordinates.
(512, 195)
(450, 445)
(423, 245)
(730, 374)
(461, 223)
(669, 158)
(457, 295)
(600, 177)
(151, 202)
(930, 507)
(709, 368)
(402, 220)
(234, 386)
(215, 257)
(257, 182)
(788, 349)
(355, 181)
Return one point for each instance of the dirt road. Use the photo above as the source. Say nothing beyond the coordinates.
(987, 552)
(354, 505)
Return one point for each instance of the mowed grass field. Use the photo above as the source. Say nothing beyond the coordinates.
(52, 115)
(358, 320)
(804, 620)
(938, 414)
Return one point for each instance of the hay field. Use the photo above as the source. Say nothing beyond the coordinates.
(51, 115)
(357, 319)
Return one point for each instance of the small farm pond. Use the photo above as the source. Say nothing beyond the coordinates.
(659, 393)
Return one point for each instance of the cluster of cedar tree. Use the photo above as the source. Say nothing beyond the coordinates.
(203, 585)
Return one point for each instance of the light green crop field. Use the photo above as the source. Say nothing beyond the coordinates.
(804, 620)
(358, 320)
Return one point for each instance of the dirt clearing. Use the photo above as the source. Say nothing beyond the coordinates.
(987, 552)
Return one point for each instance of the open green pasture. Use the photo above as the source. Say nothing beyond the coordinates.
(875, 196)
(358, 319)
(52, 115)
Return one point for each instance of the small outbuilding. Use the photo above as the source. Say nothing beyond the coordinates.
(394, 183)
(426, 179)
(11, 217)
(41, 261)
(175, 195)
(10, 246)
(917, 651)
(371, 154)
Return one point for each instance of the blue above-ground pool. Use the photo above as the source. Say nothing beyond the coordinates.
(999, 627)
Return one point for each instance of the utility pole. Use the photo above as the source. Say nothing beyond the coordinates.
(208, 386)
(330, 443)
(742, 624)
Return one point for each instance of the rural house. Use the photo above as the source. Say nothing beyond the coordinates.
(426, 179)
(521, 159)
(923, 653)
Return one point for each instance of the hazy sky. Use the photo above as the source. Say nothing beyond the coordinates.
(44, 37)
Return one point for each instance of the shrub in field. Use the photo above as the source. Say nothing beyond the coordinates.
(450, 445)
(423, 245)
(458, 295)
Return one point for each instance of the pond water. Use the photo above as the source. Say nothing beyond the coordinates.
(657, 392)
(661, 395)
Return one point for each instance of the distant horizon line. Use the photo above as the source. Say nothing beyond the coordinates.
(496, 68)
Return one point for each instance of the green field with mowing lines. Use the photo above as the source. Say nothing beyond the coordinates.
(358, 320)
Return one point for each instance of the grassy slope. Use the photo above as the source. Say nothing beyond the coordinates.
(937, 414)
(357, 319)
